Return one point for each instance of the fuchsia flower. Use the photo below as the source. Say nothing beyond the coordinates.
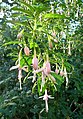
(65, 75)
(46, 69)
(19, 72)
(47, 66)
(26, 51)
(61, 73)
(56, 71)
(19, 36)
(54, 34)
(50, 44)
(45, 97)
(35, 63)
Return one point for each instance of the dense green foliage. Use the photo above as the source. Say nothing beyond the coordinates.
(46, 29)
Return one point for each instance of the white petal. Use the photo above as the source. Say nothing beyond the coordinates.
(14, 67)
(46, 102)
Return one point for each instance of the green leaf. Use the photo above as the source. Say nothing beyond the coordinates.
(24, 23)
(40, 8)
(12, 42)
(22, 10)
(33, 44)
(57, 16)
(29, 6)
(10, 104)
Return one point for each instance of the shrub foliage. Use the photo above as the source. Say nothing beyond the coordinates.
(41, 60)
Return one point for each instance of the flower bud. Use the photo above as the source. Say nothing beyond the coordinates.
(26, 51)
(56, 71)
(61, 73)
(50, 44)
(53, 34)
(19, 36)
(35, 63)
(47, 67)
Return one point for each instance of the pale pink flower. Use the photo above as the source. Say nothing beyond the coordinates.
(54, 34)
(50, 44)
(61, 73)
(35, 63)
(65, 75)
(19, 36)
(26, 51)
(47, 67)
(19, 72)
(45, 97)
(56, 71)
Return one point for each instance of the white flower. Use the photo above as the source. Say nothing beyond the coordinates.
(25, 68)
(45, 97)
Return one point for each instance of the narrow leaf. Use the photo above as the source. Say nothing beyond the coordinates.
(57, 16)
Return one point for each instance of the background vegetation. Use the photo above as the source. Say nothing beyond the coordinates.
(54, 29)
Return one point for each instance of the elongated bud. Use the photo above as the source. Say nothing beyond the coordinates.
(47, 67)
(53, 34)
(56, 71)
(35, 60)
(35, 63)
(50, 44)
(26, 51)
(19, 36)
(61, 73)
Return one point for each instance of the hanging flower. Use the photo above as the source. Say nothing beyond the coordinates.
(25, 68)
(53, 34)
(35, 63)
(47, 66)
(50, 44)
(56, 71)
(26, 51)
(19, 36)
(45, 97)
(61, 73)
(46, 69)
(65, 75)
